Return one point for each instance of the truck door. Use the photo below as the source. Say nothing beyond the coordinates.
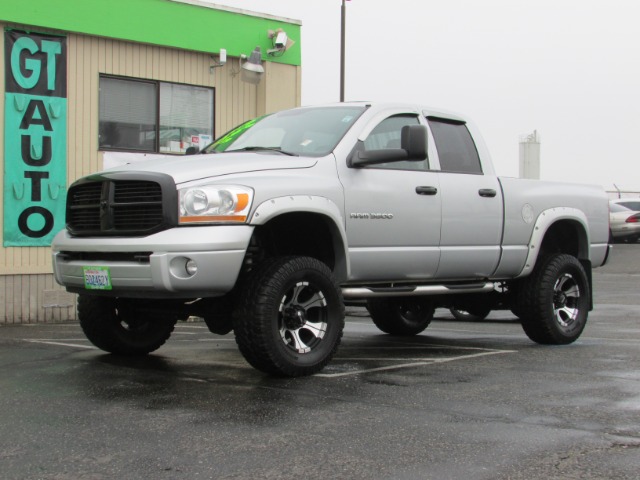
(472, 205)
(392, 212)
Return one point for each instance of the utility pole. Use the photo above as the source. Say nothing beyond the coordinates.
(342, 48)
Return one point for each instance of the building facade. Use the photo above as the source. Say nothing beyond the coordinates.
(86, 81)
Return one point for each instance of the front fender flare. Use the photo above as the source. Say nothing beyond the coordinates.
(274, 207)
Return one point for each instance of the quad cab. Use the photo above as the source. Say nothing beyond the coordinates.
(267, 231)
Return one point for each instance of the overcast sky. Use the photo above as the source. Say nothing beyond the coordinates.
(569, 69)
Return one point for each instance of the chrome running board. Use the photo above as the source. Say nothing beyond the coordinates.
(416, 290)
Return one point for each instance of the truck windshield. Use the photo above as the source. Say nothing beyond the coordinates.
(305, 131)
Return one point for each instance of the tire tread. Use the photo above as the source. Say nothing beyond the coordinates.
(99, 322)
(535, 300)
(252, 325)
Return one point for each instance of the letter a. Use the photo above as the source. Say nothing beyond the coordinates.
(29, 119)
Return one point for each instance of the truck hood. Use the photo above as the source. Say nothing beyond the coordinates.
(195, 167)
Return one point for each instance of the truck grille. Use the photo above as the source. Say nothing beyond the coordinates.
(107, 206)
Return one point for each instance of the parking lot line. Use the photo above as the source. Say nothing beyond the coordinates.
(369, 370)
(420, 362)
(217, 339)
(410, 362)
(62, 344)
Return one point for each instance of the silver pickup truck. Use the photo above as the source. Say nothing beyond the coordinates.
(271, 228)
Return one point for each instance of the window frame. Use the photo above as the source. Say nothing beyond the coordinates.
(157, 83)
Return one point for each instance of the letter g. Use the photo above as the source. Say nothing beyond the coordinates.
(30, 64)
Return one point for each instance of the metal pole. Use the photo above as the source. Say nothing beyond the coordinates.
(342, 49)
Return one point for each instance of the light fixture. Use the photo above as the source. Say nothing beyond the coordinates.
(252, 69)
(222, 60)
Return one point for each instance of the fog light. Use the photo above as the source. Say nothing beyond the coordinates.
(191, 267)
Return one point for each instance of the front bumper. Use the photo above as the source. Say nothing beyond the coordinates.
(154, 266)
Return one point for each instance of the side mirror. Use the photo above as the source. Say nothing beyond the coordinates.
(413, 139)
(413, 146)
(191, 151)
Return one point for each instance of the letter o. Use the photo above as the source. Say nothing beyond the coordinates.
(24, 217)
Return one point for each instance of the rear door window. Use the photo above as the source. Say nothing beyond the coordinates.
(456, 149)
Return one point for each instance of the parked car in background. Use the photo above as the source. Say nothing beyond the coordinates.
(624, 224)
(630, 203)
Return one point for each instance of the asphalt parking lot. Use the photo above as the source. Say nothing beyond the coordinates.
(461, 400)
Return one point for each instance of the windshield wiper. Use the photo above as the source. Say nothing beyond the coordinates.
(263, 149)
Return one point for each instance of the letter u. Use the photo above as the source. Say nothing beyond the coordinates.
(28, 152)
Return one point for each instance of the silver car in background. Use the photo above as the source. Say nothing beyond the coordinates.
(624, 224)
(630, 203)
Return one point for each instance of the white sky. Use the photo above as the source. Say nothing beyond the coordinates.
(569, 69)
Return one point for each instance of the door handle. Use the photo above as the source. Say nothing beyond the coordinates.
(426, 190)
(487, 192)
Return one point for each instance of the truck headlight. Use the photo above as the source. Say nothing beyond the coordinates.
(215, 203)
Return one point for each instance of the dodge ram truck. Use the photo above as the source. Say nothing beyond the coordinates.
(271, 228)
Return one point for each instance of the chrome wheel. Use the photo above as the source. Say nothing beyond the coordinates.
(290, 316)
(566, 295)
(303, 315)
(553, 302)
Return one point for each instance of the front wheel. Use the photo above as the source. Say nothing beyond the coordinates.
(114, 325)
(401, 316)
(290, 316)
(554, 300)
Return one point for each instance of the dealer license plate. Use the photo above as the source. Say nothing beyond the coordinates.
(97, 278)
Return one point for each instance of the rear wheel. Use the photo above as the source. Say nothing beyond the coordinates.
(470, 315)
(554, 300)
(401, 316)
(114, 325)
(290, 316)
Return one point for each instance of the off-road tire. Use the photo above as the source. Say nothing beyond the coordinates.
(113, 325)
(401, 315)
(554, 300)
(290, 316)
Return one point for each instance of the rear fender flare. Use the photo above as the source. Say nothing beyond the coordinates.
(545, 220)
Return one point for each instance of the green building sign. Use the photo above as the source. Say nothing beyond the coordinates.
(35, 134)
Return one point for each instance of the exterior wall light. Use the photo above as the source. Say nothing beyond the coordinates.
(252, 69)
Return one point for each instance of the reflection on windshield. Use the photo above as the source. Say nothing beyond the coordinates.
(222, 143)
(306, 131)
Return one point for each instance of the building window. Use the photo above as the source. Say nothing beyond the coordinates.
(151, 116)
(128, 114)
